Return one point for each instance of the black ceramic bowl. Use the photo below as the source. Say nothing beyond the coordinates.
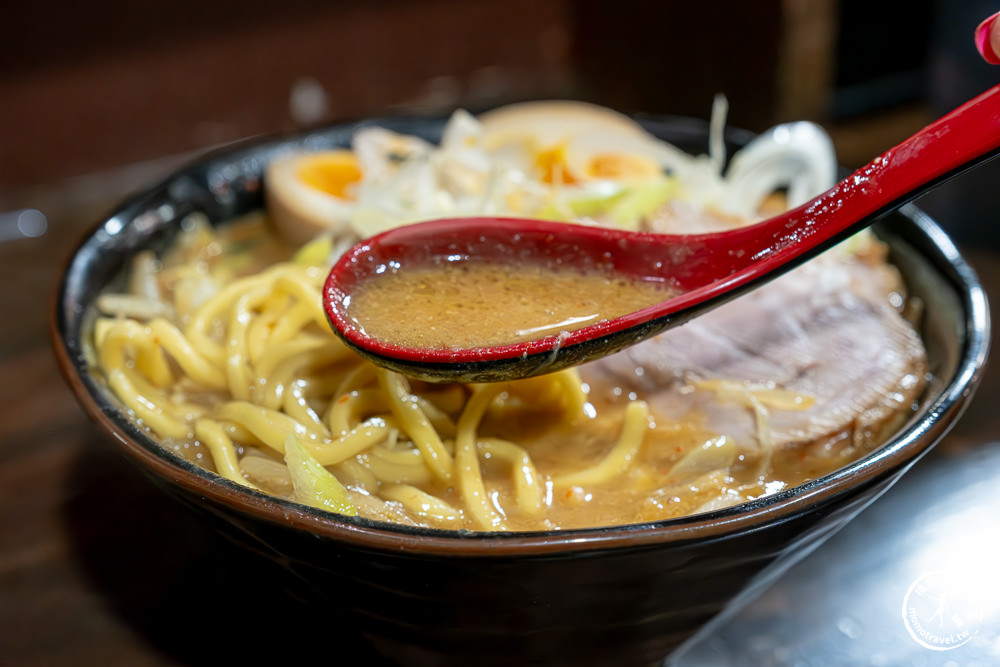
(619, 596)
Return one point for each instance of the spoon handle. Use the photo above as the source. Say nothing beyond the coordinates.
(958, 141)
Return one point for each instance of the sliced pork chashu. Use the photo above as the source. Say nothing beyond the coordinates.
(829, 333)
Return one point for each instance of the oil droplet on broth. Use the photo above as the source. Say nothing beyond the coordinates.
(470, 304)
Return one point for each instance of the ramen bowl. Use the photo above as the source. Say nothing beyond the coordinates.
(626, 595)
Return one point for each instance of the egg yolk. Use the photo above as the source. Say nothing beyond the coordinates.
(553, 167)
(332, 173)
(621, 167)
(551, 164)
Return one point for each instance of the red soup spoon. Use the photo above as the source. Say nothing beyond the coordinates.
(487, 299)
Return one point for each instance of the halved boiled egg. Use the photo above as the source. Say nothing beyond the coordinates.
(311, 193)
(623, 158)
(570, 143)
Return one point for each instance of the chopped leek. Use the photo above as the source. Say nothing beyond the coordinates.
(314, 484)
(315, 252)
(641, 201)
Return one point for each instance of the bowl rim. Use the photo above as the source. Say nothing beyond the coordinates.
(917, 436)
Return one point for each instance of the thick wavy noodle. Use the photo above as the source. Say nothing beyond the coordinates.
(226, 357)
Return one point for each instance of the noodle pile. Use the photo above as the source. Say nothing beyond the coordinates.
(222, 351)
(251, 376)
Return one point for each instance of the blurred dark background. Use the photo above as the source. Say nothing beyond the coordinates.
(90, 87)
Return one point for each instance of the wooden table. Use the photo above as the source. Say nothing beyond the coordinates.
(97, 567)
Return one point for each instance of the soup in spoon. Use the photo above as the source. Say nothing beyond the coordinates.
(480, 303)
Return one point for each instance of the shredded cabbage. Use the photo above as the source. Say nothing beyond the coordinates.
(407, 180)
